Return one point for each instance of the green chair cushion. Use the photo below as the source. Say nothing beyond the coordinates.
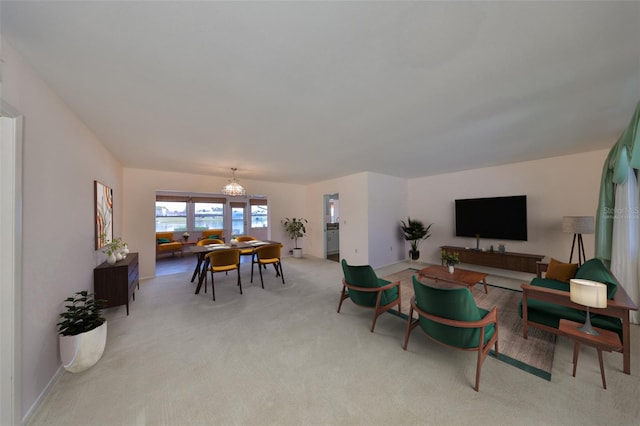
(451, 303)
(594, 270)
(163, 240)
(364, 276)
(214, 237)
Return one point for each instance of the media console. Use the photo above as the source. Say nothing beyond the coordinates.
(522, 262)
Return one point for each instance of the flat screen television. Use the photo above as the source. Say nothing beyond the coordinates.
(501, 218)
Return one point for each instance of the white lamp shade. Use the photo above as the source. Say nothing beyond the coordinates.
(578, 224)
(588, 293)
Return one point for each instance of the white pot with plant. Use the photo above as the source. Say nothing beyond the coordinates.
(115, 250)
(82, 332)
(296, 229)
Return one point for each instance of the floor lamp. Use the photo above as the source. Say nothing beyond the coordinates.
(578, 225)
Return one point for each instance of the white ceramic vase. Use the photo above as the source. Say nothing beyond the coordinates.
(451, 269)
(111, 259)
(82, 351)
(297, 252)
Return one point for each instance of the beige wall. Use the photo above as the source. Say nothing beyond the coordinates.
(62, 158)
(555, 187)
(285, 200)
(371, 207)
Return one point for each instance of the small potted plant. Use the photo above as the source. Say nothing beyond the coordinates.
(82, 332)
(185, 236)
(450, 259)
(296, 229)
(414, 231)
(115, 250)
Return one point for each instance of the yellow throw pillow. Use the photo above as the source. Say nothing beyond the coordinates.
(561, 271)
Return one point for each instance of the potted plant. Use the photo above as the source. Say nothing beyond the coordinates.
(450, 259)
(414, 231)
(296, 229)
(115, 250)
(82, 332)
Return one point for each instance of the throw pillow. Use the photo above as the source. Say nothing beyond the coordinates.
(214, 237)
(561, 271)
(163, 240)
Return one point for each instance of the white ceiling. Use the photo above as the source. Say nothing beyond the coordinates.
(302, 92)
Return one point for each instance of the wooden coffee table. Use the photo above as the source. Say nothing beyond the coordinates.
(459, 276)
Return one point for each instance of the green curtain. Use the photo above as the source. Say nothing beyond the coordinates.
(624, 154)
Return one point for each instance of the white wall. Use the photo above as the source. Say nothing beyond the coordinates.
(387, 207)
(285, 200)
(555, 187)
(62, 158)
(371, 207)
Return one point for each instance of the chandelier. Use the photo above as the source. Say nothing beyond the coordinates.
(233, 188)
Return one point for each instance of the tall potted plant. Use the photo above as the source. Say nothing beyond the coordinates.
(414, 231)
(82, 332)
(296, 229)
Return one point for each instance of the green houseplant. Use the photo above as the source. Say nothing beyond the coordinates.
(295, 227)
(82, 332)
(414, 231)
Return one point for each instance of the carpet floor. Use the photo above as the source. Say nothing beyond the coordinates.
(283, 356)
(534, 355)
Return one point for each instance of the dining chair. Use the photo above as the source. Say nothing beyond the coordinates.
(222, 261)
(208, 241)
(265, 255)
(249, 250)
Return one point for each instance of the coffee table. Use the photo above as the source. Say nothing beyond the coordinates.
(459, 276)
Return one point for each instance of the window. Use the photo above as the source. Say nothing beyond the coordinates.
(259, 214)
(171, 216)
(208, 216)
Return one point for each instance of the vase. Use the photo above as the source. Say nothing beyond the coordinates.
(451, 269)
(118, 256)
(83, 350)
(111, 259)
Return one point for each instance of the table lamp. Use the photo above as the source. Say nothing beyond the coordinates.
(590, 294)
(578, 225)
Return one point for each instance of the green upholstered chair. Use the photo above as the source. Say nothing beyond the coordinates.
(450, 317)
(361, 284)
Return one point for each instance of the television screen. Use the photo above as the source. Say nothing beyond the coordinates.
(502, 218)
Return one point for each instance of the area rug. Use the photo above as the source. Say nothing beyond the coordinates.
(534, 355)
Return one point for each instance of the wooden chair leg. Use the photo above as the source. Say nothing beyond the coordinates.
(410, 328)
(478, 369)
(343, 296)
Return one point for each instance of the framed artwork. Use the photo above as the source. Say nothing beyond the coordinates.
(103, 214)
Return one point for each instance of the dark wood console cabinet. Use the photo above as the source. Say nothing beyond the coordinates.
(117, 283)
(513, 261)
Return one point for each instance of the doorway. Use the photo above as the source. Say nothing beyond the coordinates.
(238, 218)
(332, 226)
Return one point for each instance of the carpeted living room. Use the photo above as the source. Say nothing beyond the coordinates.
(308, 132)
(283, 355)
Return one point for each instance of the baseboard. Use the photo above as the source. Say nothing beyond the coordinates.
(42, 396)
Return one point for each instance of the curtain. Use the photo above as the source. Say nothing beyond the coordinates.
(617, 228)
(625, 239)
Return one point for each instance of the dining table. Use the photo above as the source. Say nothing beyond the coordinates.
(201, 252)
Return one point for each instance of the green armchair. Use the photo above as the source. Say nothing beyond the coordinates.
(361, 284)
(450, 317)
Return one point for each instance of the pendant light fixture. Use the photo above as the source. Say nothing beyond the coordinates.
(233, 188)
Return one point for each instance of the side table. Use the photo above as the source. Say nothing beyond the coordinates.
(607, 341)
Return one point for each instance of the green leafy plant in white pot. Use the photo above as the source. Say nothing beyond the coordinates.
(295, 227)
(82, 332)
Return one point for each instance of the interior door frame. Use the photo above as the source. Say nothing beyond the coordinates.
(11, 157)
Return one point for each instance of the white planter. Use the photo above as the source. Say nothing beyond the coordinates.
(82, 351)
(451, 269)
(297, 252)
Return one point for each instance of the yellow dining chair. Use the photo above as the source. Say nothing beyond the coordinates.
(265, 255)
(246, 251)
(222, 261)
(208, 241)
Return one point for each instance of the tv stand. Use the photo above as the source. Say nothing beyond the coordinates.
(521, 262)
